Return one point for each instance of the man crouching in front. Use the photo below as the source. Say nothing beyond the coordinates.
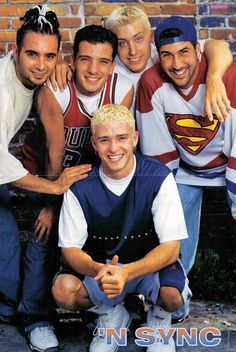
(120, 232)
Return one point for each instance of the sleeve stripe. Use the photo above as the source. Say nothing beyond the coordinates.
(167, 157)
(231, 186)
(232, 163)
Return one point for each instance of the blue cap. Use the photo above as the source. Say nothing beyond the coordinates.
(184, 25)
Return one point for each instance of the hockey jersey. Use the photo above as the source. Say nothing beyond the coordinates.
(173, 130)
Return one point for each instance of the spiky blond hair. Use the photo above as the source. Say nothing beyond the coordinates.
(112, 113)
(126, 15)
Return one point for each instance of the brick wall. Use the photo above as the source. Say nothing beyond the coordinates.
(213, 19)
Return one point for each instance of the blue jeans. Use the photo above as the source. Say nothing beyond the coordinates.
(35, 301)
(191, 199)
(9, 257)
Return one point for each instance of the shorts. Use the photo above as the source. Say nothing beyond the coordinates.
(148, 285)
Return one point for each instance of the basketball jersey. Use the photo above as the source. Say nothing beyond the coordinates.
(78, 148)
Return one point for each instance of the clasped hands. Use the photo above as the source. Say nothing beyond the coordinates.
(112, 278)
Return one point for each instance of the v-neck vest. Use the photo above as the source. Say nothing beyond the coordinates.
(121, 225)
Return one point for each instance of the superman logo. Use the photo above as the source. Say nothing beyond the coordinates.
(193, 133)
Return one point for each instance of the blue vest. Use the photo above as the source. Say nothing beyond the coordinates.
(121, 225)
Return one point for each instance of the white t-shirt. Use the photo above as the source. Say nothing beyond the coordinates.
(15, 105)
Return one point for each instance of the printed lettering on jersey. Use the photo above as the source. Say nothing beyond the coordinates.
(193, 133)
(77, 140)
(78, 136)
(71, 158)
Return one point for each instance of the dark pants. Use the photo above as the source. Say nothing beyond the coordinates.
(35, 301)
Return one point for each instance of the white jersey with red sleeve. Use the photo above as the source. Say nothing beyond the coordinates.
(172, 129)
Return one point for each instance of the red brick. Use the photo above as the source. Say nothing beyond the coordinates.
(151, 9)
(65, 35)
(3, 48)
(75, 9)
(59, 1)
(187, 9)
(95, 20)
(106, 9)
(67, 48)
(15, 11)
(7, 36)
(60, 10)
(223, 34)
(4, 24)
(166, 1)
(99, 10)
(16, 24)
(34, 2)
(203, 34)
(70, 22)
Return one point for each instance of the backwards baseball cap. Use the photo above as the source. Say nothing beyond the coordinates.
(184, 26)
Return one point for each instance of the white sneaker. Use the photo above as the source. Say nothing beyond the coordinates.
(43, 339)
(116, 317)
(159, 318)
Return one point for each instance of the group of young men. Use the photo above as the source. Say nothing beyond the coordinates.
(122, 221)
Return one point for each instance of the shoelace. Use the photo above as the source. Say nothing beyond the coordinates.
(100, 324)
(158, 323)
(95, 331)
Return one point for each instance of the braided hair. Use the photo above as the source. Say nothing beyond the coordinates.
(39, 19)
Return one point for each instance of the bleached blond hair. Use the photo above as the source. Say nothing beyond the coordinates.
(112, 113)
(126, 15)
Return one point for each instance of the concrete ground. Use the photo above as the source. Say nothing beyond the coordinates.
(74, 337)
